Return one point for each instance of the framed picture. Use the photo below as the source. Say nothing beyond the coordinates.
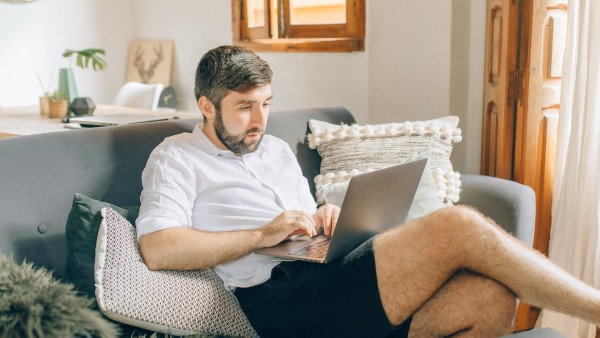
(150, 61)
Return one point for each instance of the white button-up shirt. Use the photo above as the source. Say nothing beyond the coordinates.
(190, 182)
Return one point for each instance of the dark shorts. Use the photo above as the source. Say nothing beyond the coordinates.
(339, 299)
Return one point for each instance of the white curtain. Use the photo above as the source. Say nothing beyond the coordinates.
(575, 238)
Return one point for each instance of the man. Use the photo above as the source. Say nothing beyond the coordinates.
(212, 197)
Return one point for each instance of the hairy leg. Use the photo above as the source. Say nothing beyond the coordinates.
(468, 305)
(415, 260)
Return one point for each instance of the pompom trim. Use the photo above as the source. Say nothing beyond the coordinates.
(431, 129)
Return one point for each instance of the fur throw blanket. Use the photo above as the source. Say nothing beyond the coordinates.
(34, 305)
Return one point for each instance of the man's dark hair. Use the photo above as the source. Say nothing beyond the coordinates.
(229, 68)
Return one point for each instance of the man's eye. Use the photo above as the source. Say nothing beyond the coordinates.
(246, 107)
(266, 104)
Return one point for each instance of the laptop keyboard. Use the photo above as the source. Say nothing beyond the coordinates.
(316, 250)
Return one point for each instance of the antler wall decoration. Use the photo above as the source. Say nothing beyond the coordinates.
(150, 61)
(140, 62)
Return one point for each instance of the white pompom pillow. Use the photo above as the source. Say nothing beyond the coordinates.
(348, 150)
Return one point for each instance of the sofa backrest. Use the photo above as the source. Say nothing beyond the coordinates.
(292, 127)
(40, 173)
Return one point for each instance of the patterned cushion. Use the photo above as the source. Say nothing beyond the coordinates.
(349, 150)
(173, 302)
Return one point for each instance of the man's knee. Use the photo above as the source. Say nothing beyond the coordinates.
(458, 218)
(461, 225)
(445, 233)
(453, 225)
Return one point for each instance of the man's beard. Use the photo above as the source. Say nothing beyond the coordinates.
(236, 143)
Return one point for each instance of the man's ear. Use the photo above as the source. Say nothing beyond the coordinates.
(207, 108)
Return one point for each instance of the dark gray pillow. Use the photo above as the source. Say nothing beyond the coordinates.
(81, 232)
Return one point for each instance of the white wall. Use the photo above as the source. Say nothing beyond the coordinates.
(195, 26)
(409, 59)
(34, 35)
(423, 59)
(298, 81)
(466, 80)
(320, 80)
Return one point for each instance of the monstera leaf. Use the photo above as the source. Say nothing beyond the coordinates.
(84, 57)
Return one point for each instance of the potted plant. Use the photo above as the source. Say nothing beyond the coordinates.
(58, 105)
(83, 58)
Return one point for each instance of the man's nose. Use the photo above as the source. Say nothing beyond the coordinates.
(259, 116)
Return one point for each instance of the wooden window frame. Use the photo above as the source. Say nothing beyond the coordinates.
(257, 32)
(348, 37)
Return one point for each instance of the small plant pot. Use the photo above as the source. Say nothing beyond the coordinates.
(44, 105)
(58, 108)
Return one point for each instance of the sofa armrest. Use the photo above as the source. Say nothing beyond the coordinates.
(510, 204)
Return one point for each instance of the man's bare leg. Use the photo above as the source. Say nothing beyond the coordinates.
(415, 260)
(468, 305)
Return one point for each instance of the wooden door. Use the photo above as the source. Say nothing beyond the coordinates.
(538, 116)
(499, 101)
(525, 127)
(543, 37)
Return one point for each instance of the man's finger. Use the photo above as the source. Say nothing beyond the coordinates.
(307, 224)
(327, 219)
(334, 219)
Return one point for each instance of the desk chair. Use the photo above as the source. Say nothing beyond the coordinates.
(139, 95)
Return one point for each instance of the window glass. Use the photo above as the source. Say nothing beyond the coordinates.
(317, 12)
(256, 13)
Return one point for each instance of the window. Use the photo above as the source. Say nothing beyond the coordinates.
(299, 25)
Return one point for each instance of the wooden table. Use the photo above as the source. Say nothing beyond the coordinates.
(26, 120)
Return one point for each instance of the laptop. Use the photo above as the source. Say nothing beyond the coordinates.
(117, 119)
(374, 202)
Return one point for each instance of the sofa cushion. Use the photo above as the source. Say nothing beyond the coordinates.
(349, 150)
(81, 231)
(174, 302)
(425, 201)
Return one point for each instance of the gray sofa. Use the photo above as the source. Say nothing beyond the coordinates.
(40, 173)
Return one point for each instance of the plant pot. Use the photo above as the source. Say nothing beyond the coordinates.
(44, 105)
(58, 108)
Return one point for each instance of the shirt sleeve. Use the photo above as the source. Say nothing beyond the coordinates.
(168, 193)
(308, 202)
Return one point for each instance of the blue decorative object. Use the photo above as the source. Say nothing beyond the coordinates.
(66, 84)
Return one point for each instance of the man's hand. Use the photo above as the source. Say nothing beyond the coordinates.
(327, 217)
(293, 222)
(286, 225)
